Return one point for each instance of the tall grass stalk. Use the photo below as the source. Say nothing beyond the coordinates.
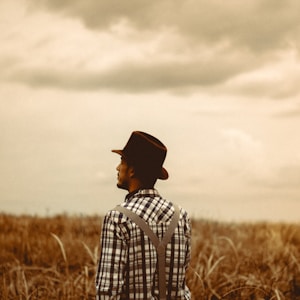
(93, 256)
(63, 252)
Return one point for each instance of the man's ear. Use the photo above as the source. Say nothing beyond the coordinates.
(131, 172)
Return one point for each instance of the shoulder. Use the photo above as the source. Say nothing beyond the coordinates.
(115, 216)
(183, 213)
(117, 224)
(184, 220)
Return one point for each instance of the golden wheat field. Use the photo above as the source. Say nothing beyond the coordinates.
(56, 258)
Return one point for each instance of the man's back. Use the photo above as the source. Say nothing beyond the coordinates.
(128, 264)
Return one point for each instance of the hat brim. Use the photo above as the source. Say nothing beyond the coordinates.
(163, 175)
(118, 152)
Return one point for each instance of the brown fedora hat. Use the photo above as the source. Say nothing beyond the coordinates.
(146, 151)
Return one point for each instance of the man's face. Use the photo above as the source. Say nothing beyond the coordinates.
(123, 175)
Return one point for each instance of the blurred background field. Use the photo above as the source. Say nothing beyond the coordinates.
(56, 258)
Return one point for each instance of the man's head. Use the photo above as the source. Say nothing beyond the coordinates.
(145, 155)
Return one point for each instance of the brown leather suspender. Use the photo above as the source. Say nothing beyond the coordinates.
(159, 245)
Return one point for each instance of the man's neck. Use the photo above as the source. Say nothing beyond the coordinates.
(134, 185)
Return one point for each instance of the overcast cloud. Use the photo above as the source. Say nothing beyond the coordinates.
(152, 46)
(255, 25)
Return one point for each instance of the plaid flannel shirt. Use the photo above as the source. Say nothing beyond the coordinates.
(128, 261)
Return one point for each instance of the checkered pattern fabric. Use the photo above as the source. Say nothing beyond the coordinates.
(128, 262)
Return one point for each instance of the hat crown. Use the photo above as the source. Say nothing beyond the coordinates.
(145, 151)
(142, 146)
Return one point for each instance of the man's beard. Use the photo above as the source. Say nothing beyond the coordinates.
(123, 185)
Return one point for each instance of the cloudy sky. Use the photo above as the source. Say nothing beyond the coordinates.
(217, 82)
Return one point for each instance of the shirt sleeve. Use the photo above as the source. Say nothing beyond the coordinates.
(113, 252)
(188, 233)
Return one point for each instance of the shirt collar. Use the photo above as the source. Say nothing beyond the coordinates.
(142, 192)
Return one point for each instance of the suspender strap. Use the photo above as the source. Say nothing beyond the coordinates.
(159, 245)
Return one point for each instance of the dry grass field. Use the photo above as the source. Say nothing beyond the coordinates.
(55, 258)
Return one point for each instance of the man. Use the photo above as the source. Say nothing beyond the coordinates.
(129, 267)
